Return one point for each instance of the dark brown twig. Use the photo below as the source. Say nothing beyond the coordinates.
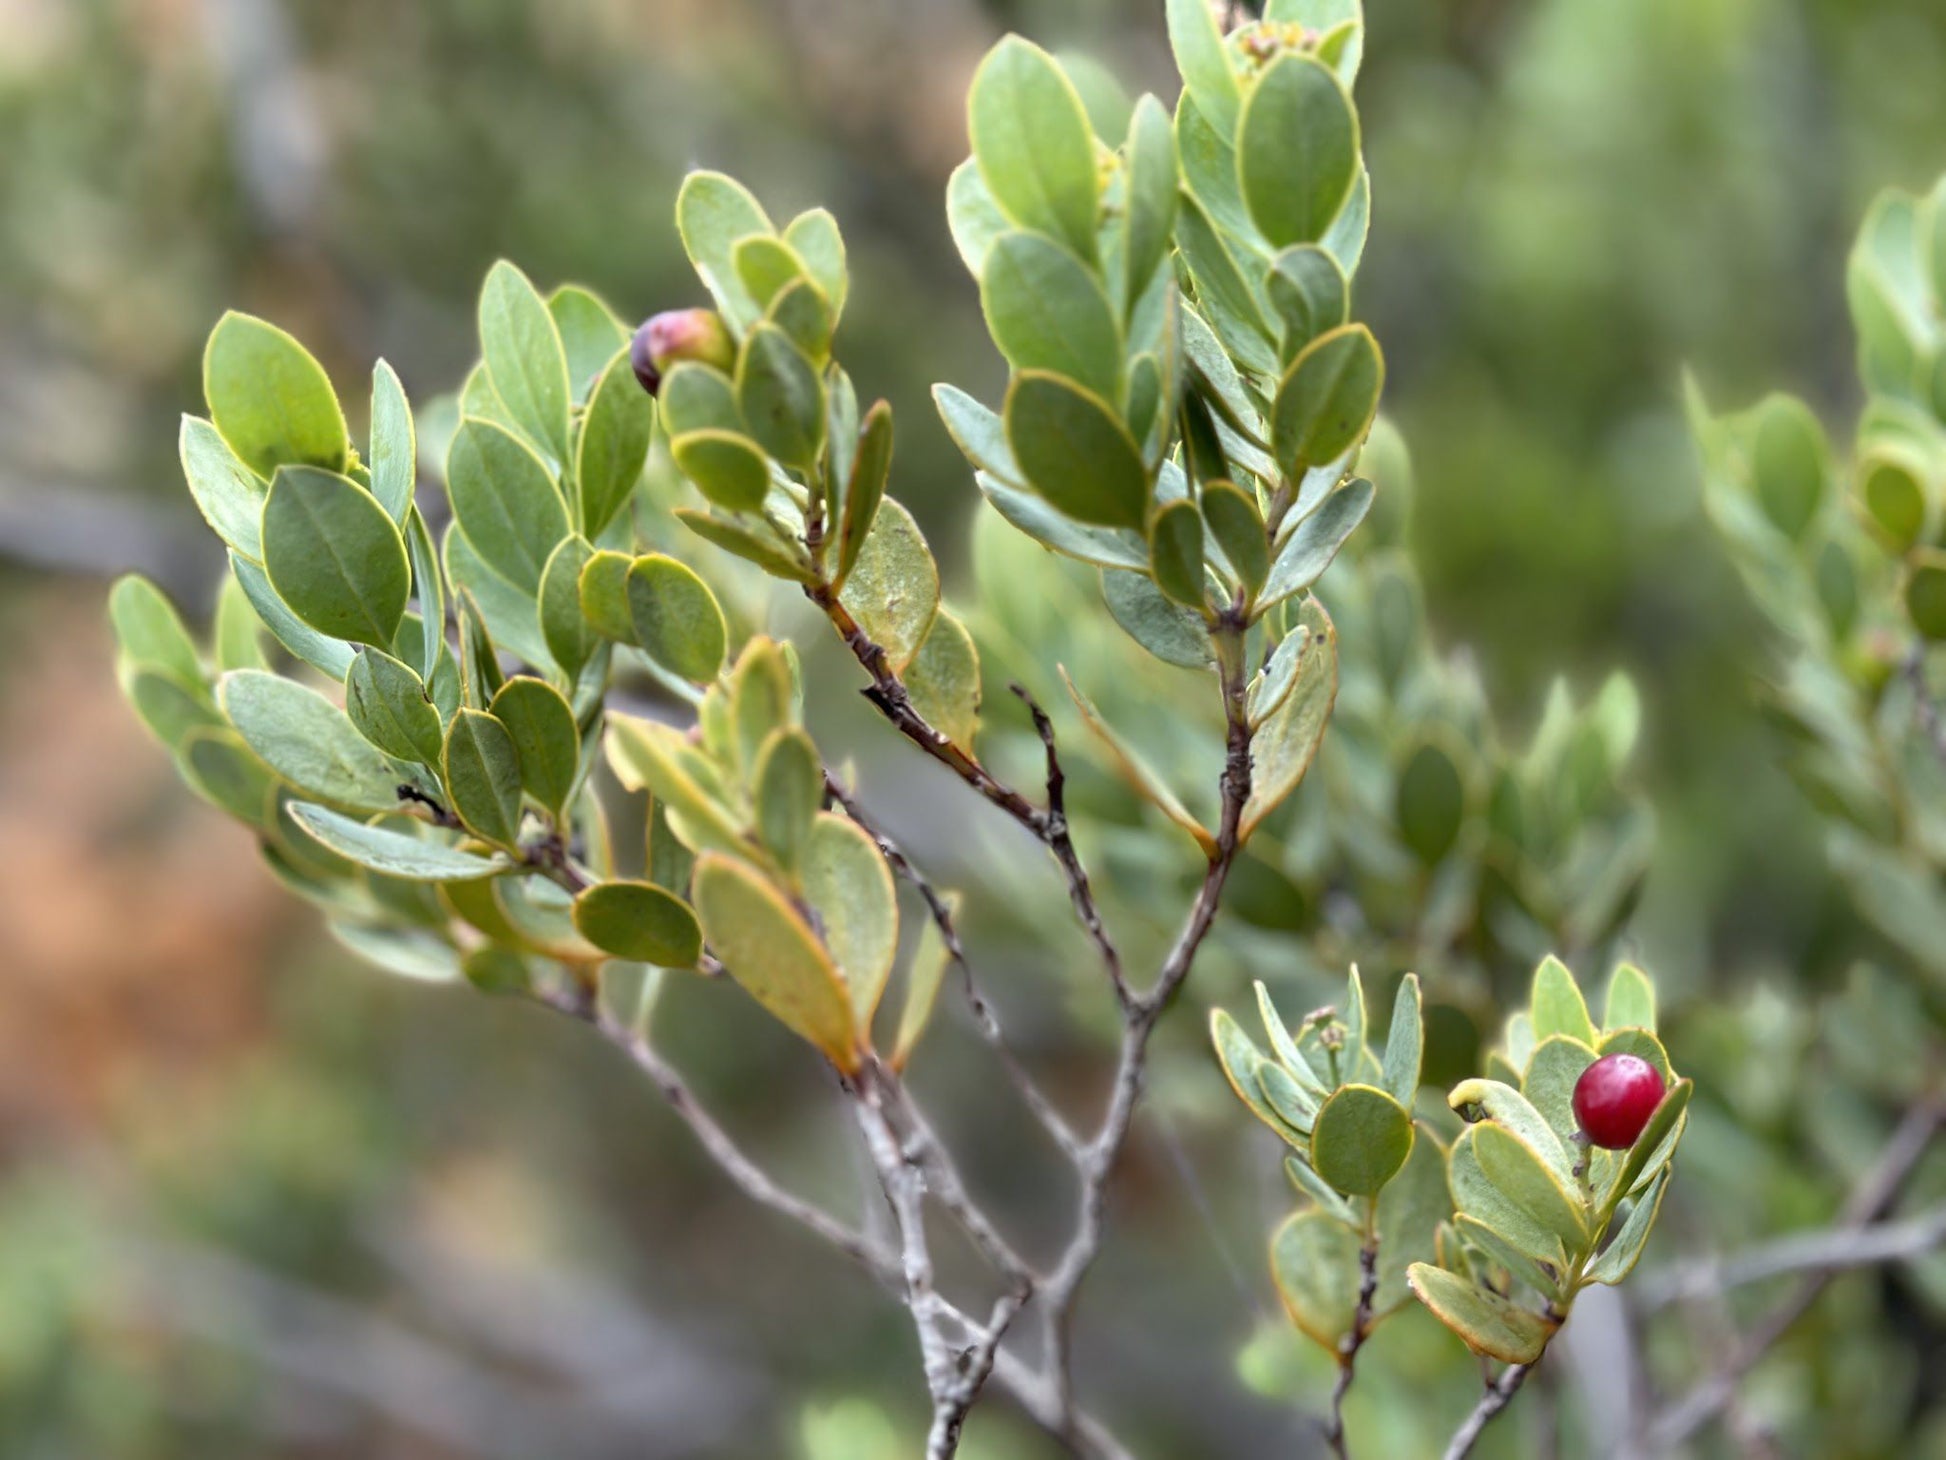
(1350, 1344)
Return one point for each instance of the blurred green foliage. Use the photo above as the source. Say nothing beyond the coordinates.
(1574, 198)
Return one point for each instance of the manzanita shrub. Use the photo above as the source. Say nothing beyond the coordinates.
(443, 653)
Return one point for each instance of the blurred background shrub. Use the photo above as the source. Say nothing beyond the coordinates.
(255, 1200)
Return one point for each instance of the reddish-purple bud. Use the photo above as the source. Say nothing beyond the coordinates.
(676, 335)
(1614, 1099)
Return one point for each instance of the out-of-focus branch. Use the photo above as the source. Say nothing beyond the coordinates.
(1869, 1202)
(1499, 1394)
(1832, 1250)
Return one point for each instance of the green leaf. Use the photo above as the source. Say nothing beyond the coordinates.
(1282, 1044)
(238, 631)
(1476, 1195)
(429, 585)
(1361, 1139)
(767, 266)
(1631, 1000)
(1174, 634)
(1524, 1176)
(228, 494)
(639, 922)
(1205, 66)
(1661, 1131)
(1136, 771)
(495, 608)
(308, 741)
(698, 397)
(604, 594)
(150, 632)
(972, 215)
(1310, 294)
(804, 315)
(1788, 459)
(754, 545)
(330, 657)
(394, 456)
(1103, 547)
(1240, 1058)
(1354, 1020)
(394, 853)
(1891, 488)
(525, 358)
(1510, 1108)
(389, 705)
(1048, 312)
(778, 961)
(505, 502)
(1542, 1277)
(1176, 553)
(677, 619)
(864, 487)
(893, 588)
(1296, 1104)
(1151, 197)
(1238, 528)
(1075, 451)
(1034, 144)
(496, 970)
(646, 755)
(169, 708)
(1297, 150)
(819, 243)
(1327, 399)
(219, 767)
(614, 444)
(1548, 1083)
(1314, 1260)
(1429, 802)
(1925, 593)
(1288, 740)
(1309, 1183)
(571, 640)
(725, 466)
(787, 784)
(547, 743)
(924, 975)
(1410, 1211)
(850, 888)
(1621, 1255)
(590, 336)
(1225, 294)
(1486, 1322)
(943, 680)
(1556, 1004)
(1404, 1043)
(781, 397)
(1271, 689)
(334, 556)
(270, 399)
(482, 775)
(1315, 541)
(712, 213)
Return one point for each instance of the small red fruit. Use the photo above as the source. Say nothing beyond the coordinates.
(676, 335)
(1614, 1099)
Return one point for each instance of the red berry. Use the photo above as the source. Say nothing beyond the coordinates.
(676, 335)
(1614, 1099)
